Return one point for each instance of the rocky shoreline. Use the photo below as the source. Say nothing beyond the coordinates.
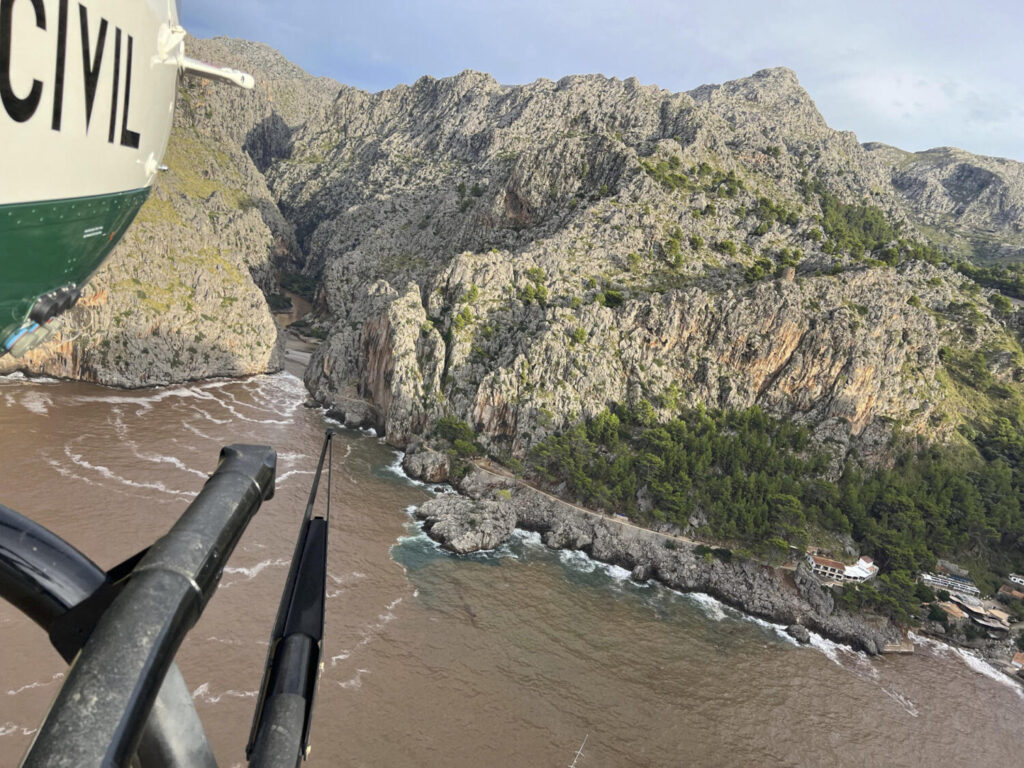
(493, 506)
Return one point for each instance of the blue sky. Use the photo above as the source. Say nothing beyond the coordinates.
(910, 73)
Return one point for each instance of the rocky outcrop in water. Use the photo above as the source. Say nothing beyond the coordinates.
(466, 525)
(799, 633)
(496, 506)
(426, 464)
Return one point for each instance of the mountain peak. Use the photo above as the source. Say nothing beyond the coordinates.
(780, 74)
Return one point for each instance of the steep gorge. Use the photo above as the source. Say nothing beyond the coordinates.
(519, 257)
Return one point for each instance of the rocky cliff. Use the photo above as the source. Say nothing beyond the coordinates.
(180, 298)
(519, 257)
(973, 205)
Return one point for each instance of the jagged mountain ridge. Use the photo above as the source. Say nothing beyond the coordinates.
(418, 186)
(521, 256)
(972, 204)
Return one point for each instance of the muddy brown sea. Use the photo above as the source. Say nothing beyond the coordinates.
(511, 658)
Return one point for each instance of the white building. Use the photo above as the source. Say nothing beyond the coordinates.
(1016, 578)
(953, 584)
(833, 570)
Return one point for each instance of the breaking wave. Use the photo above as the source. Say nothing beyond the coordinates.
(202, 693)
(248, 574)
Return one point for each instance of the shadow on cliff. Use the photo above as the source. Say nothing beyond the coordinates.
(269, 140)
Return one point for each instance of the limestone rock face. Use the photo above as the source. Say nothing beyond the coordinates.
(393, 360)
(180, 298)
(972, 203)
(519, 257)
(427, 465)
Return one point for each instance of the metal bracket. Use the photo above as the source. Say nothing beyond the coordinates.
(69, 632)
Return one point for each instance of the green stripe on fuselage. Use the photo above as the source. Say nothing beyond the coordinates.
(51, 244)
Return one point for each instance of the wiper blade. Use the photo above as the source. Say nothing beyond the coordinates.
(280, 726)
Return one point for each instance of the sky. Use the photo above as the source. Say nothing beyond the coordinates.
(909, 73)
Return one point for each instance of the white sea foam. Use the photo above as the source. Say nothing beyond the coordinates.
(831, 650)
(356, 682)
(581, 561)
(66, 472)
(285, 475)
(711, 607)
(395, 468)
(292, 457)
(157, 458)
(389, 614)
(971, 659)
(528, 538)
(203, 693)
(778, 629)
(935, 647)
(248, 574)
(615, 572)
(370, 632)
(339, 657)
(715, 609)
(855, 662)
(109, 474)
(909, 707)
(18, 376)
(241, 417)
(342, 582)
(279, 392)
(208, 417)
(982, 667)
(144, 404)
(36, 402)
(197, 433)
(577, 560)
(420, 537)
(37, 684)
(9, 728)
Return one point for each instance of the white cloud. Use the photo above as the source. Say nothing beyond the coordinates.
(915, 73)
(919, 109)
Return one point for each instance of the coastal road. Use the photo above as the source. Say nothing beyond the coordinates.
(497, 470)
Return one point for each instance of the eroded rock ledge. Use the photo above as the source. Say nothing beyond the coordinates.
(494, 506)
